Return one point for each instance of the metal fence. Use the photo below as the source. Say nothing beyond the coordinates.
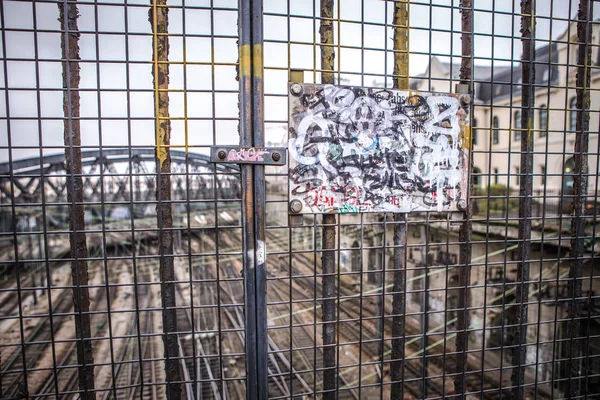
(133, 266)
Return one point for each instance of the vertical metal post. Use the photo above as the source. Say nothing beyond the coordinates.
(159, 21)
(424, 303)
(258, 134)
(68, 15)
(465, 233)
(32, 271)
(329, 325)
(329, 328)
(379, 279)
(574, 346)
(329, 224)
(40, 256)
(401, 43)
(519, 349)
(400, 81)
(253, 197)
(398, 307)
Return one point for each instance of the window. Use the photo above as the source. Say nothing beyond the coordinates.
(517, 125)
(474, 132)
(546, 75)
(476, 176)
(355, 257)
(573, 114)
(543, 174)
(543, 120)
(518, 175)
(495, 132)
(569, 181)
(496, 176)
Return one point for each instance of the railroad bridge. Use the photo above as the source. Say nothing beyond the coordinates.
(113, 176)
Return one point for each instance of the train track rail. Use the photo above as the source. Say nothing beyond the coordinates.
(350, 304)
(136, 374)
(212, 338)
(12, 383)
(201, 361)
(364, 333)
(65, 376)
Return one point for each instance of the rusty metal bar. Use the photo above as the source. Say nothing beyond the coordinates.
(68, 15)
(398, 307)
(329, 225)
(465, 230)
(401, 44)
(159, 21)
(329, 309)
(400, 80)
(520, 315)
(574, 346)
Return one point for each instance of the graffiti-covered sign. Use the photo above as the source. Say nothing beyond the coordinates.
(355, 149)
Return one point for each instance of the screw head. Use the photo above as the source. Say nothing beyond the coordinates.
(462, 205)
(295, 206)
(222, 154)
(296, 89)
(276, 156)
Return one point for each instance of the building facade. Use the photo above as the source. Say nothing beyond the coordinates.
(496, 123)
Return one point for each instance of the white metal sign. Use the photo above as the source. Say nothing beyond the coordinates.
(355, 149)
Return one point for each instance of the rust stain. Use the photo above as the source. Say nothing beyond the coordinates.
(158, 18)
(68, 18)
(401, 43)
(466, 136)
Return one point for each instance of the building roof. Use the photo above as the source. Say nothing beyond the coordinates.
(494, 81)
(507, 80)
(480, 72)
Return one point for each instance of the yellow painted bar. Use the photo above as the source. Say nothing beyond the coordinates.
(251, 61)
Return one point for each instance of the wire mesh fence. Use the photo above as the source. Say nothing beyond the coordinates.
(132, 266)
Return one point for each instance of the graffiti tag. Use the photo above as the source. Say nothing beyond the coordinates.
(246, 155)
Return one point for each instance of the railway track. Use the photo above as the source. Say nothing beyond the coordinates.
(212, 343)
(350, 305)
(306, 343)
(12, 383)
(201, 360)
(135, 373)
(283, 375)
(65, 377)
(355, 329)
(362, 330)
(203, 356)
(37, 342)
(302, 342)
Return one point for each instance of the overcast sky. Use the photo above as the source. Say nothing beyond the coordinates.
(104, 54)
